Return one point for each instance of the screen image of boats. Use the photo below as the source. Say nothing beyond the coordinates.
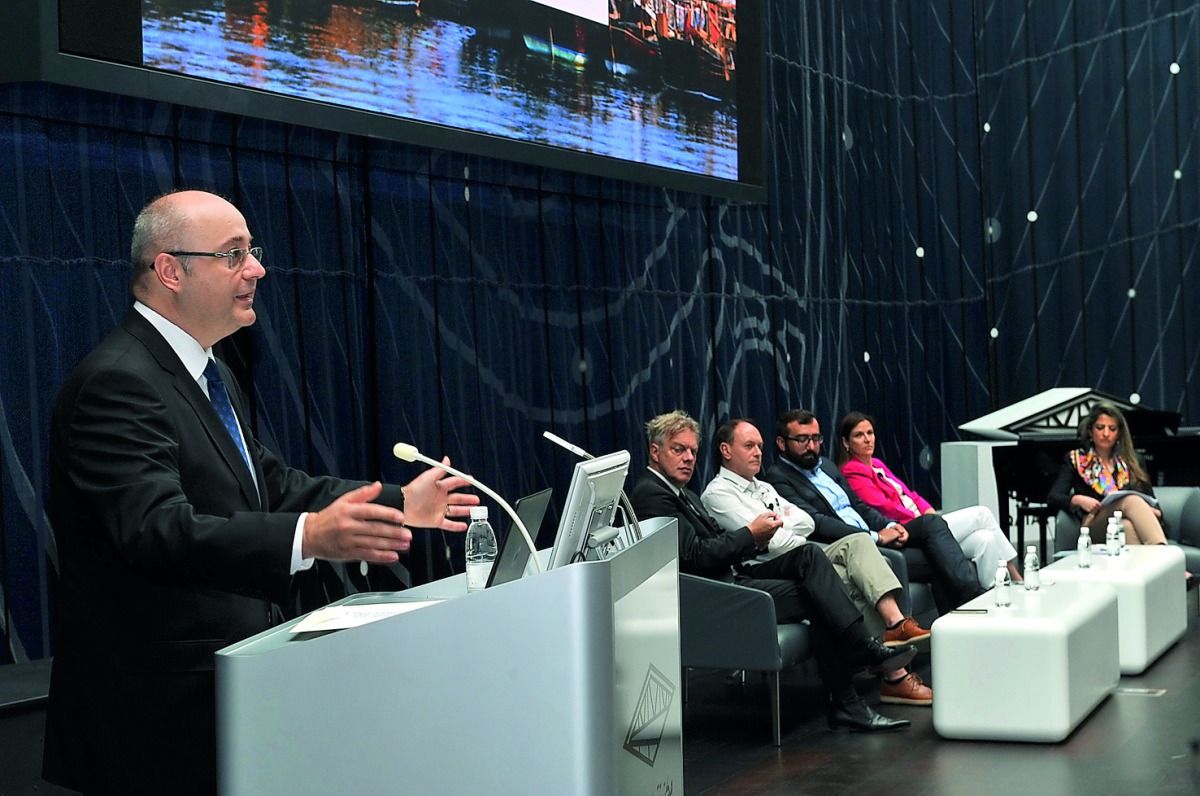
(651, 82)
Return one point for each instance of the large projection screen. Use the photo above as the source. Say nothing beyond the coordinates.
(666, 92)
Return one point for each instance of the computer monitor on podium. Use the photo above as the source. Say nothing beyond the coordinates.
(591, 503)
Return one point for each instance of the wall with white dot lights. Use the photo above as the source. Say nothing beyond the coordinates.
(992, 199)
(969, 202)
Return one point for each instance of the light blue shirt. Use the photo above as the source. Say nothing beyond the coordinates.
(833, 493)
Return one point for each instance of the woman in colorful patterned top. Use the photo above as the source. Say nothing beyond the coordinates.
(974, 528)
(1104, 474)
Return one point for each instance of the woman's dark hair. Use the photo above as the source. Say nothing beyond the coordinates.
(849, 421)
(1124, 447)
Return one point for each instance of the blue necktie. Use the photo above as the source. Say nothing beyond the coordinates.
(220, 401)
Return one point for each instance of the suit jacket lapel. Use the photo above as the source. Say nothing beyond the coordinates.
(805, 485)
(695, 509)
(190, 390)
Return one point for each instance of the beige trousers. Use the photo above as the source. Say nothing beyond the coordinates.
(866, 574)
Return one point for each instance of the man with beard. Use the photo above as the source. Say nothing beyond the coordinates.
(803, 583)
(803, 477)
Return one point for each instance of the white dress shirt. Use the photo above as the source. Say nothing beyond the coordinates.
(734, 502)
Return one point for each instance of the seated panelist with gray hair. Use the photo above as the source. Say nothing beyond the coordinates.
(802, 583)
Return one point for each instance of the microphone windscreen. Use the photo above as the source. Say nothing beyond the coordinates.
(405, 452)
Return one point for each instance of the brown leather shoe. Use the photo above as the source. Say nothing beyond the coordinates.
(906, 632)
(909, 691)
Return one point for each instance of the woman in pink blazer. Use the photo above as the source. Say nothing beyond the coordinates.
(975, 528)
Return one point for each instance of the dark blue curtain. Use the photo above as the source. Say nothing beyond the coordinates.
(466, 304)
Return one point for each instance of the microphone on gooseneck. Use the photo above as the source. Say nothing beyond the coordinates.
(409, 453)
(578, 451)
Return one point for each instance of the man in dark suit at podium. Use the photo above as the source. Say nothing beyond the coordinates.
(802, 582)
(176, 530)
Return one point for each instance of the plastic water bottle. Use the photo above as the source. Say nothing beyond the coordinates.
(1033, 578)
(1003, 585)
(1083, 548)
(1110, 538)
(1119, 527)
(481, 549)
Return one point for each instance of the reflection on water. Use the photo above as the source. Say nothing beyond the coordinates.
(423, 63)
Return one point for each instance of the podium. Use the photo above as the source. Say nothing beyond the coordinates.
(564, 682)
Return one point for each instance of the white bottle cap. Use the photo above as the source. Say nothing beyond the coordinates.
(479, 512)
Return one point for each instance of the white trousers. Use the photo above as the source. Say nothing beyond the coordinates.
(978, 533)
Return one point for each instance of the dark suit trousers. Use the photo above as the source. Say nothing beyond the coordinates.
(805, 585)
(953, 578)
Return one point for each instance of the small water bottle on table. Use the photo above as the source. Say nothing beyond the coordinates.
(1119, 527)
(1083, 548)
(1003, 585)
(1033, 576)
(1110, 538)
(481, 549)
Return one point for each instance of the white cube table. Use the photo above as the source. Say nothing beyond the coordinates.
(1151, 598)
(1028, 672)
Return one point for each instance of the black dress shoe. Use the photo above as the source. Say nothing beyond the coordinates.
(857, 716)
(867, 652)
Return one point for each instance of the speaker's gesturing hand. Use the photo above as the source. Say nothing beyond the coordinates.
(354, 528)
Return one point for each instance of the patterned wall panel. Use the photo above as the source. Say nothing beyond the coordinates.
(1090, 168)
(467, 304)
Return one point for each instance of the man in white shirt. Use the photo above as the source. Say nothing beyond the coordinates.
(804, 588)
(735, 497)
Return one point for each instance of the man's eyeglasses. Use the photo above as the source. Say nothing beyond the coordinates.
(236, 257)
(803, 439)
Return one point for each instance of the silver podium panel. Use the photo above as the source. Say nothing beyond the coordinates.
(563, 682)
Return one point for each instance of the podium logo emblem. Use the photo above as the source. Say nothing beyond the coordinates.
(650, 717)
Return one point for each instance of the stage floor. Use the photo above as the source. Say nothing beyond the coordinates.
(1139, 740)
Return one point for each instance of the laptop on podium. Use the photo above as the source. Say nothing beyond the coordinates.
(513, 557)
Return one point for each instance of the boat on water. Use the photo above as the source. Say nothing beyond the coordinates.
(568, 32)
(700, 50)
(634, 40)
(689, 44)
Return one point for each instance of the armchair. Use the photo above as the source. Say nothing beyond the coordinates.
(726, 626)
